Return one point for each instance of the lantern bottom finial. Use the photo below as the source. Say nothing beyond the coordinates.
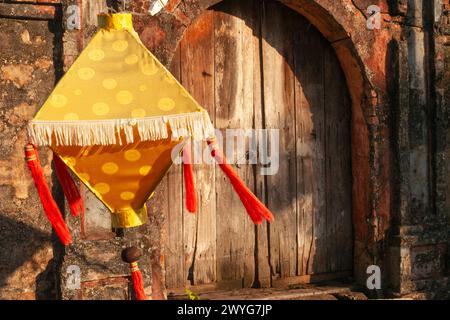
(129, 217)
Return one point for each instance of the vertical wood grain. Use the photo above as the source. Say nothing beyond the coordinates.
(197, 75)
(305, 153)
(279, 103)
(311, 175)
(262, 246)
(234, 106)
(338, 166)
(173, 231)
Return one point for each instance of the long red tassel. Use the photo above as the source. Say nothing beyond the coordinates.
(138, 282)
(50, 207)
(131, 255)
(69, 187)
(255, 208)
(188, 171)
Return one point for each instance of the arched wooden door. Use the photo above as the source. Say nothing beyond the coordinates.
(258, 64)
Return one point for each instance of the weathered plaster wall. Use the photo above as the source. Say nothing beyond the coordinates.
(30, 52)
(441, 120)
(418, 243)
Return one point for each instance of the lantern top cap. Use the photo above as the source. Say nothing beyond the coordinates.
(115, 21)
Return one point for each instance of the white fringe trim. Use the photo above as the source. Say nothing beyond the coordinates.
(196, 125)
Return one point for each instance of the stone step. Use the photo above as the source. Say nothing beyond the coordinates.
(306, 292)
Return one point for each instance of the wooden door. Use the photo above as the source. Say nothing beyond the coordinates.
(258, 64)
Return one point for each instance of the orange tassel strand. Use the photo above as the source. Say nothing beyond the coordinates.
(255, 208)
(69, 187)
(131, 255)
(188, 171)
(48, 203)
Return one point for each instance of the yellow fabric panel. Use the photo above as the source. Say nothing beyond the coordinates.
(116, 77)
(123, 178)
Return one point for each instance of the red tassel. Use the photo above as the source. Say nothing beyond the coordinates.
(69, 187)
(188, 171)
(50, 207)
(131, 255)
(255, 208)
(138, 282)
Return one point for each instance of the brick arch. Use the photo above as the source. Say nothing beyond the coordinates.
(361, 53)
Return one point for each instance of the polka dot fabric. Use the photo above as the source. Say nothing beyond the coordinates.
(123, 178)
(116, 77)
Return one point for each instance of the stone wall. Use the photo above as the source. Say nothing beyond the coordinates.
(419, 233)
(30, 63)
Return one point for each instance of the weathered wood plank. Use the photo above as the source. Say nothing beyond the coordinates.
(345, 222)
(174, 261)
(156, 237)
(262, 250)
(173, 231)
(250, 68)
(197, 69)
(310, 150)
(338, 165)
(279, 114)
(234, 110)
(304, 157)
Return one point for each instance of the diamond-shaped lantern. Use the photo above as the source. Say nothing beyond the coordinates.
(114, 119)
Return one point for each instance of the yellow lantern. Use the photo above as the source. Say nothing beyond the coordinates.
(114, 119)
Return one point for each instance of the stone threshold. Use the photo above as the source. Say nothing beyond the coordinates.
(300, 292)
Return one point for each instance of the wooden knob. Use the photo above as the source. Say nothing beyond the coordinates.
(131, 254)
